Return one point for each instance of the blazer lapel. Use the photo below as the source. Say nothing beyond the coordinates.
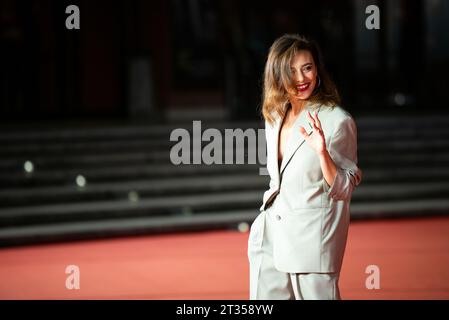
(295, 140)
(276, 130)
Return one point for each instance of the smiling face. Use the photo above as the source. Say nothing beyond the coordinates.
(304, 75)
(294, 75)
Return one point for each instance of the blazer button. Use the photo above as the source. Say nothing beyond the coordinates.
(278, 217)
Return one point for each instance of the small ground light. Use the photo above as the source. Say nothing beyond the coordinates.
(243, 227)
(187, 211)
(133, 196)
(399, 99)
(80, 181)
(28, 166)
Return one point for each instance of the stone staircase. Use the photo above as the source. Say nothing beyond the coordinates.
(132, 188)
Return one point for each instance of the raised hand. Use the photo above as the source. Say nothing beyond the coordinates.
(316, 139)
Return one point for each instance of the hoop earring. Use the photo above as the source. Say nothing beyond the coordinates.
(315, 90)
(319, 82)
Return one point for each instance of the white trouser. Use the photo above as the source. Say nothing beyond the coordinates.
(267, 283)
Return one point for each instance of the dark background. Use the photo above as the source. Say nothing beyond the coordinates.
(210, 54)
(86, 117)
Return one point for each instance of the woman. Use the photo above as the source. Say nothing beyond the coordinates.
(297, 242)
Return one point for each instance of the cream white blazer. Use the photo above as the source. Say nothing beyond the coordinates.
(311, 217)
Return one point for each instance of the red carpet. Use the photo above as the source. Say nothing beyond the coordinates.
(412, 254)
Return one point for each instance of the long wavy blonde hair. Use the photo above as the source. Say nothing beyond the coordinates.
(278, 80)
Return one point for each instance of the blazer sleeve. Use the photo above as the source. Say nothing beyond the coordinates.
(343, 151)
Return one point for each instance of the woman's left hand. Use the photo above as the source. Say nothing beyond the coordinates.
(316, 139)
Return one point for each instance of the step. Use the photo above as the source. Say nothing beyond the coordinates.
(405, 208)
(157, 206)
(127, 173)
(125, 131)
(66, 161)
(120, 190)
(205, 221)
(105, 130)
(20, 197)
(198, 202)
(124, 173)
(123, 227)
